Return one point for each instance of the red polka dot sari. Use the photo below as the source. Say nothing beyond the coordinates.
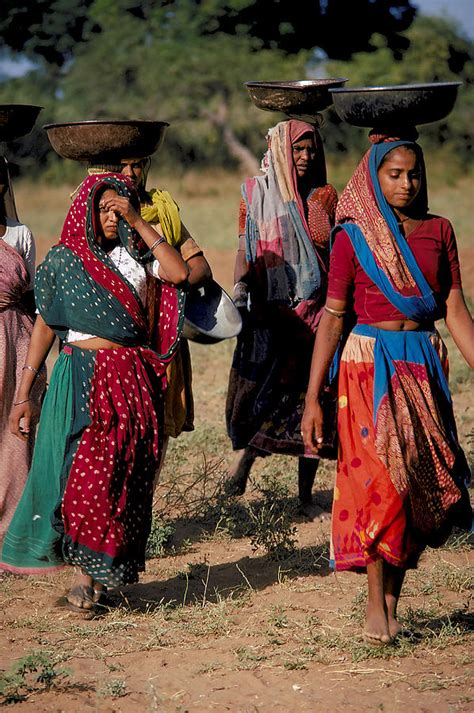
(88, 500)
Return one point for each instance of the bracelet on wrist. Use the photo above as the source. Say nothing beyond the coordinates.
(30, 368)
(22, 401)
(160, 241)
(339, 313)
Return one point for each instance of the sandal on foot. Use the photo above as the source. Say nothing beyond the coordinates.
(84, 594)
(99, 595)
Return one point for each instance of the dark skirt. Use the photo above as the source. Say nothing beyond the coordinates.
(267, 387)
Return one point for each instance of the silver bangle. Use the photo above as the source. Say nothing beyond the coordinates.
(160, 240)
(24, 401)
(31, 368)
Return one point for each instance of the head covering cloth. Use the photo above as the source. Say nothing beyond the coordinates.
(278, 238)
(371, 224)
(79, 287)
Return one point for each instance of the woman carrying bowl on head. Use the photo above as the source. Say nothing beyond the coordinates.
(285, 221)
(401, 474)
(89, 492)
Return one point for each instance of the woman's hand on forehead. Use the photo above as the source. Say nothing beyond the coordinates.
(119, 204)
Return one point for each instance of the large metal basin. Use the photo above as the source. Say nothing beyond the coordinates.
(210, 315)
(106, 141)
(403, 104)
(304, 98)
(16, 120)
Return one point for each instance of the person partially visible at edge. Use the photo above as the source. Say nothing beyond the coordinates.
(285, 221)
(88, 498)
(17, 266)
(158, 208)
(401, 474)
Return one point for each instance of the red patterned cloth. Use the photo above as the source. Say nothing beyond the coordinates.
(399, 476)
(433, 244)
(74, 235)
(106, 507)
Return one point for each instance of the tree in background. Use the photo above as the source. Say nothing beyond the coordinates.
(186, 60)
(52, 29)
(436, 51)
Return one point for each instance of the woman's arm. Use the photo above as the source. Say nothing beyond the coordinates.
(199, 268)
(241, 266)
(460, 324)
(173, 268)
(42, 339)
(327, 338)
(172, 264)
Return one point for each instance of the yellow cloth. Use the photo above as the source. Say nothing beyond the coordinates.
(179, 404)
(165, 211)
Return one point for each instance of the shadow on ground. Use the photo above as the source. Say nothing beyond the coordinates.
(212, 583)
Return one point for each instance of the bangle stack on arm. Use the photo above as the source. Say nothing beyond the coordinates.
(157, 242)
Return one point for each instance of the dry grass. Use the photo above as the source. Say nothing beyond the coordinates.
(213, 608)
(209, 204)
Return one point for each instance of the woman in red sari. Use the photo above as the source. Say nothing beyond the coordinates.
(401, 474)
(89, 492)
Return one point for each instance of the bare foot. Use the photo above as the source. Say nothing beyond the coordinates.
(314, 512)
(394, 627)
(376, 628)
(80, 596)
(239, 473)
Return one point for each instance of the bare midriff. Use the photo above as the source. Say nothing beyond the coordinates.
(398, 325)
(96, 343)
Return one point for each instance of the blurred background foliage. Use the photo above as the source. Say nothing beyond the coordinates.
(185, 61)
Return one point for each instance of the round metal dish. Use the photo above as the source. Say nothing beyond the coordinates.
(404, 104)
(106, 141)
(299, 98)
(210, 315)
(17, 120)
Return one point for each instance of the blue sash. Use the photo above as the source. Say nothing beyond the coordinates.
(419, 307)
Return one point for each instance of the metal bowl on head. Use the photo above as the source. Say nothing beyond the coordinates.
(106, 141)
(304, 98)
(210, 315)
(407, 104)
(16, 120)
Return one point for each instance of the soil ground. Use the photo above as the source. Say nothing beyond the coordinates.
(226, 620)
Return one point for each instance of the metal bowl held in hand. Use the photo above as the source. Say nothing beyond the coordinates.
(106, 141)
(398, 105)
(305, 98)
(16, 120)
(210, 315)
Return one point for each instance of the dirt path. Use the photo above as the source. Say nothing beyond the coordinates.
(219, 625)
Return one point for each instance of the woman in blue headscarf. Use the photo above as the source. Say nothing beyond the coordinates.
(401, 474)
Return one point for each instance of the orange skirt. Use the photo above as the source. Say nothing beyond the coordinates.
(382, 470)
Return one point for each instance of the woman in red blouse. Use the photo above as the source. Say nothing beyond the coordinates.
(286, 216)
(401, 474)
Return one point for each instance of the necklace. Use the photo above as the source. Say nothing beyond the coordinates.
(400, 221)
